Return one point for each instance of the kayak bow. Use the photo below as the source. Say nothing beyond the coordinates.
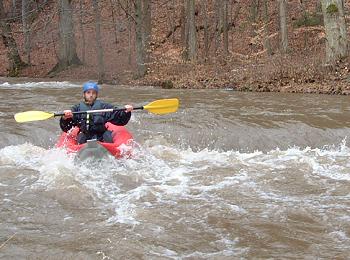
(120, 147)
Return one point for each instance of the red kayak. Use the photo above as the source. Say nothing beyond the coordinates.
(120, 147)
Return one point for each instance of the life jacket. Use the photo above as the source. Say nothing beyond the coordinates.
(92, 124)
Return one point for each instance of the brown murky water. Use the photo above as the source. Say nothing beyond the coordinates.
(230, 175)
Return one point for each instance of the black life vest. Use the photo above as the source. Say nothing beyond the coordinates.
(92, 123)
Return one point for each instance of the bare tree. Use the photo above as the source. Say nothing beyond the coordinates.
(81, 22)
(15, 61)
(225, 27)
(99, 48)
(283, 25)
(129, 17)
(140, 51)
(335, 27)
(173, 17)
(234, 18)
(67, 48)
(303, 5)
(26, 31)
(206, 29)
(14, 8)
(267, 43)
(143, 34)
(114, 23)
(254, 10)
(191, 45)
(183, 24)
(147, 28)
(217, 29)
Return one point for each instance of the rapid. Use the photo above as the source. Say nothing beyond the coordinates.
(230, 175)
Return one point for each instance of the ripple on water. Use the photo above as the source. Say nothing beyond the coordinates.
(213, 203)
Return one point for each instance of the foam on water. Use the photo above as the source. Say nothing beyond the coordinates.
(160, 173)
(45, 85)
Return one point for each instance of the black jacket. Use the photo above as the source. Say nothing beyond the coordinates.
(96, 125)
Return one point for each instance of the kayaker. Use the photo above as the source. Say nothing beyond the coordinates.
(95, 128)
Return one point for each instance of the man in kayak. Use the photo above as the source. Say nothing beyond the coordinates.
(92, 126)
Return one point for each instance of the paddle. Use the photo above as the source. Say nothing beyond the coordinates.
(159, 107)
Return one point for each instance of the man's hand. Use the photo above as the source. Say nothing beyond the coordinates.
(67, 114)
(128, 108)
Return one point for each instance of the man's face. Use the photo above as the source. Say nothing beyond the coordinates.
(90, 96)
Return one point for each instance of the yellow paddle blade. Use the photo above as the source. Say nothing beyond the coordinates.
(163, 106)
(32, 116)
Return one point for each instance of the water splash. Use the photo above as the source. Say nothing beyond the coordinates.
(44, 85)
(161, 174)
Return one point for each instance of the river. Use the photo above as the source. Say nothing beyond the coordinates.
(230, 175)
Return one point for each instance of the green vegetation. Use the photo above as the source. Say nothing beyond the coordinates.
(332, 9)
(309, 19)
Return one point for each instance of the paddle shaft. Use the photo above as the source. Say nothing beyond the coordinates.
(98, 111)
(158, 107)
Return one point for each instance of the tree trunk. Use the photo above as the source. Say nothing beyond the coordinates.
(143, 35)
(217, 28)
(335, 27)
(26, 31)
(303, 4)
(174, 18)
(147, 30)
(128, 8)
(99, 48)
(81, 22)
(233, 21)
(14, 9)
(206, 29)
(15, 61)
(225, 27)
(283, 25)
(140, 53)
(115, 24)
(184, 34)
(67, 55)
(254, 10)
(192, 37)
(267, 43)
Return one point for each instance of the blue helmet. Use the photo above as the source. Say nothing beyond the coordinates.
(90, 85)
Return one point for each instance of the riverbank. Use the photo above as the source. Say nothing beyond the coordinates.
(246, 67)
(289, 74)
(286, 74)
(276, 74)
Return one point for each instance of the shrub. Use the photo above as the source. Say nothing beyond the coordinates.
(332, 9)
(309, 19)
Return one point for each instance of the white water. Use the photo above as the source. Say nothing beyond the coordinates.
(38, 85)
(169, 173)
